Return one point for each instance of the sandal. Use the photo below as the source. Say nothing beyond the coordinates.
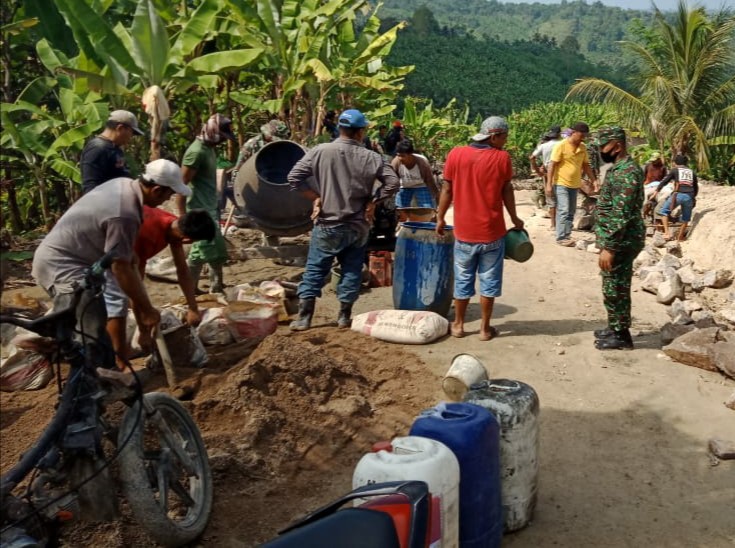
(493, 333)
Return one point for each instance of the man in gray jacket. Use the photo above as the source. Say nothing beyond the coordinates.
(344, 173)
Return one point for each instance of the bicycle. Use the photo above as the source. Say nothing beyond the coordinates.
(163, 464)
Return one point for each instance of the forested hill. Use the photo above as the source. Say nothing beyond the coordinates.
(491, 76)
(594, 27)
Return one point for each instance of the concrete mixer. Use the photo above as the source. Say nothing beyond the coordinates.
(262, 192)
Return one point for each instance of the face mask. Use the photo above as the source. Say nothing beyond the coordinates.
(608, 157)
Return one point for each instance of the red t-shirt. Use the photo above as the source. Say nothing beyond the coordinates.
(478, 175)
(152, 234)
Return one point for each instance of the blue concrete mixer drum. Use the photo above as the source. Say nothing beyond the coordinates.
(423, 268)
(516, 406)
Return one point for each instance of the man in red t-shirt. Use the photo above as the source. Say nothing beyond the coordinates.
(158, 230)
(477, 178)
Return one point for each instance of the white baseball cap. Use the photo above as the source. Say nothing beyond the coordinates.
(166, 173)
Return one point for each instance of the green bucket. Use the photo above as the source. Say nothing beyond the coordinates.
(518, 245)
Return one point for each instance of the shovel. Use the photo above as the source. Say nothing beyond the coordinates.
(168, 364)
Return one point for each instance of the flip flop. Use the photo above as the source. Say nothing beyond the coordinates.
(493, 333)
(454, 332)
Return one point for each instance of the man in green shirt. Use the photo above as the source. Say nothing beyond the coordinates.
(199, 168)
(621, 235)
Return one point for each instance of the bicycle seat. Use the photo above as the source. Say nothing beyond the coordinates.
(46, 326)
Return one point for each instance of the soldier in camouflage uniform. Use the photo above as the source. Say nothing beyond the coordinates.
(620, 235)
(275, 130)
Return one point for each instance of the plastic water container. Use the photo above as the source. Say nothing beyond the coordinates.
(423, 268)
(473, 435)
(417, 458)
(516, 407)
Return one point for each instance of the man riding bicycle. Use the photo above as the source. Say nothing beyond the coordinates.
(106, 219)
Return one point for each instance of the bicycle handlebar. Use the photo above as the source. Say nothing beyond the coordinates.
(46, 325)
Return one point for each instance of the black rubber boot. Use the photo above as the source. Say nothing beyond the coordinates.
(603, 333)
(344, 319)
(619, 340)
(306, 311)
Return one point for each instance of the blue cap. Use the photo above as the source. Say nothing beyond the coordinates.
(352, 118)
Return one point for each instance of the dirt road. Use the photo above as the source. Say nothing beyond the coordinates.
(624, 435)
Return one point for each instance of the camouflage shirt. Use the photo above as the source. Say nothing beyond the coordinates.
(619, 220)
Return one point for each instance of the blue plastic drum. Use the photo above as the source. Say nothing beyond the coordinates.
(423, 268)
(473, 435)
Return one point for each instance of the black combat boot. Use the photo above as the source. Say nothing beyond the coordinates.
(603, 333)
(344, 319)
(619, 340)
(306, 311)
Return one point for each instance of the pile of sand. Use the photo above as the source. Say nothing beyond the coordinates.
(712, 237)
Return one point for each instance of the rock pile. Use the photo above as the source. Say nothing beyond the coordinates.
(701, 308)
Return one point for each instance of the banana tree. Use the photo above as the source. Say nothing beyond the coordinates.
(152, 52)
(35, 138)
(311, 53)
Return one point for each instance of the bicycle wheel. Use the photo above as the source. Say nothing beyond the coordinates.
(172, 503)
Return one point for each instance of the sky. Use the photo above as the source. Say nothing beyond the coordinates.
(664, 5)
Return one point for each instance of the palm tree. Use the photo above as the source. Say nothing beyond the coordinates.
(685, 82)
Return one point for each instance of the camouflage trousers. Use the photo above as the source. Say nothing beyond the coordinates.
(616, 289)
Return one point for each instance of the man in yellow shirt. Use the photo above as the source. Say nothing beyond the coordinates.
(564, 178)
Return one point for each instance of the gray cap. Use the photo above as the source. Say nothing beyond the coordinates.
(490, 126)
(127, 118)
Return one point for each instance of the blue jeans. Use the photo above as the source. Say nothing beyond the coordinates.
(482, 260)
(684, 201)
(566, 206)
(347, 245)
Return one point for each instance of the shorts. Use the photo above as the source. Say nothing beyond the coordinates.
(116, 301)
(415, 197)
(682, 200)
(482, 260)
(551, 200)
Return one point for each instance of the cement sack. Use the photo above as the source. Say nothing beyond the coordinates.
(401, 326)
(215, 328)
(24, 370)
(169, 321)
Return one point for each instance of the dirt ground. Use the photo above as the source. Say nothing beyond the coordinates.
(624, 435)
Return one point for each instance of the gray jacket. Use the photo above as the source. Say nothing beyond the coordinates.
(344, 175)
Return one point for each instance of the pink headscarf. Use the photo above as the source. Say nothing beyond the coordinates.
(216, 129)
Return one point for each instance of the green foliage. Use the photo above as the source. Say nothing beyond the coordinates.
(492, 77)
(596, 27)
(684, 83)
(527, 126)
(435, 131)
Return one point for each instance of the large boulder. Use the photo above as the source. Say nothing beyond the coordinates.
(724, 356)
(668, 290)
(659, 240)
(645, 258)
(716, 279)
(674, 248)
(646, 270)
(669, 261)
(679, 313)
(695, 348)
(672, 331)
(687, 274)
(652, 281)
(727, 314)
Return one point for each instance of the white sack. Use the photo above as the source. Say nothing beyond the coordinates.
(401, 326)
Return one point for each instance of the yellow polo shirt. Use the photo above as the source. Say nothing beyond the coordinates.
(570, 161)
